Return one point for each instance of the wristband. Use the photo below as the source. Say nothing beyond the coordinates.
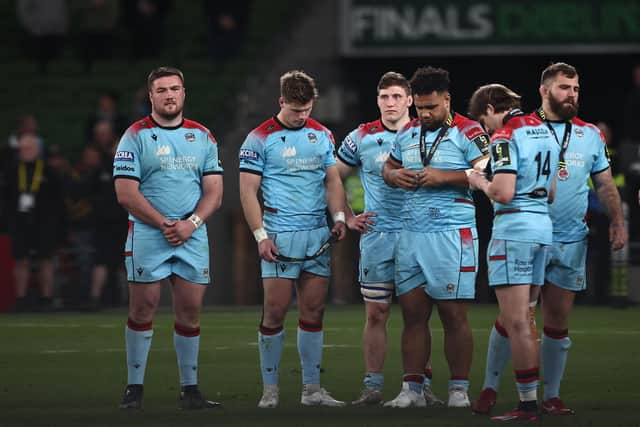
(339, 217)
(260, 234)
(195, 220)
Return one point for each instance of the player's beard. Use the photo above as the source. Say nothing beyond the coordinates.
(565, 110)
(168, 116)
(435, 124)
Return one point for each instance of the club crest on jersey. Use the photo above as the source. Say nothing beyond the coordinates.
(190, 137)
(312, 137)
(379, 141)
(163, 150)
(124, 156)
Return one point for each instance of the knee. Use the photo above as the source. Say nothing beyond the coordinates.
(312, 311)
(142, 311)
(188, 315)
(454, 320)
(377, 315)
(517, 326)
(274, 314)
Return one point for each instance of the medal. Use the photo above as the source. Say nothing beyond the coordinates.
(26, 202)
(563, 174)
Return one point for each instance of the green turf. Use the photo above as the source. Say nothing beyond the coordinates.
(68, 369)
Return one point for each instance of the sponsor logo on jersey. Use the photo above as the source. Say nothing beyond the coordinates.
(500, 153)
(537, 131)
(289, 152)
(163, 150)
(350, 145)
(312, 137)
(248, 154)
(190, 137)
(379, 141)
(382, 157)
(124, 156)
(205, 272)
(125, 168)
(579, 133)
(451, 288)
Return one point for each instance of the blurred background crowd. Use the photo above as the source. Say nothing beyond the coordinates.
(75, 79)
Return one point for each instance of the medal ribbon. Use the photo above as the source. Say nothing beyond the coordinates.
(565, 139)
(36, 180)
(426, 157)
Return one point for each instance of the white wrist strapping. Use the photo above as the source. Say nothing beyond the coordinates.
(195, 220)
(260, 234)
(339, 217)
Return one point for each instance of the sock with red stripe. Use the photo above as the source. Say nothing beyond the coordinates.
(554, 349)
(186, 341)
(415, 382)
(428, 374)
(270, 344)
(498, 354)
(138, 342)
(457, 383)
(527, 384)
(310, 339)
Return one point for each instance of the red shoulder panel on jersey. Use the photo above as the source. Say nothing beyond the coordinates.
(578, 122)
(190, 124)
(371, 128)
(470, 128)
(316, 125)
(267, 127)
(144, 123)
(412, 124)
(504, 132)
(520, 121)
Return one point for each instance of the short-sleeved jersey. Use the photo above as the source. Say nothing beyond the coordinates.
(526, 147)
(367, 147)
(586, 155)
(169, 163)
(293, 164)
(447, 207)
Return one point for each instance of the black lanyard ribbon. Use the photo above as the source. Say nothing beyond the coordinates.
(426, 157)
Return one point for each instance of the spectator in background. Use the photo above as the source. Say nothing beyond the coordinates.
(631, 109)
(33, 195)
(94, 23)
(106, 110)
(46, 23)
(226, 27)
(110, 231)
(26, 123)
(80, 212)
(146, 20)
(141, 105)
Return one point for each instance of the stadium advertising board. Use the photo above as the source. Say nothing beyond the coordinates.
(491, 27)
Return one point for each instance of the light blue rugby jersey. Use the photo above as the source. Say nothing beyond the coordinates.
(447, 207)
(169, 163)
(586, 155)
(368, 147)
(292, 163)
(526, 147)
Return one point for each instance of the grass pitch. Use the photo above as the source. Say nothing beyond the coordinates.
(68, 369)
